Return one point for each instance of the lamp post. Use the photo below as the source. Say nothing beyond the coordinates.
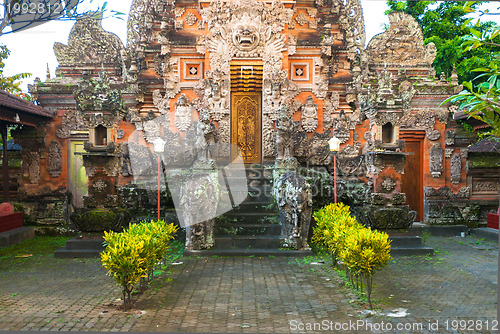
(159, 147)
(334, 144)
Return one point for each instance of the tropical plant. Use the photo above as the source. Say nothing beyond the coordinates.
(11, 84)
(446, 23)
(360, 250)
(132, 255)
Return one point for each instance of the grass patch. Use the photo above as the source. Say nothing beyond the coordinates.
(39, 245)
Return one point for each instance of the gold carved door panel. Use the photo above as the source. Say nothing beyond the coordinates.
(246, 124)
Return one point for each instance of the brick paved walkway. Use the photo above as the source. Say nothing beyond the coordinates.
(253, 295)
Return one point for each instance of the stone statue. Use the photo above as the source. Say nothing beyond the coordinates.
(294, 197)
(182, 113)
(310, 115)
(215, 93)
(284, 135)
(204, 135)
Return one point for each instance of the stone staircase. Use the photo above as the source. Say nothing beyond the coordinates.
(407, 244)
(81, 247)
(253, 227)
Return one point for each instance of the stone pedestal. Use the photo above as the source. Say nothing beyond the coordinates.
(387, 209)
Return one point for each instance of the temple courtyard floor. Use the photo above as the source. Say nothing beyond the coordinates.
(454, 291)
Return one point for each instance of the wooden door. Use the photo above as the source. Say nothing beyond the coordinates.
(246, 124)
(412, 179)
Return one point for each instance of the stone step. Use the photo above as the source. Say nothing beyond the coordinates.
(253, 217)
(405, 240)
(248, 230)
(264, 207)
(247, 242)
(409, 251)
(84, 243)
(76, 253)
(248, 252)
(16, 236)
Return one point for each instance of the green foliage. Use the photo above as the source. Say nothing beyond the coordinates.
(363, 251)
(445, 23)
(11, 84)
(134, 253)
(480, 99)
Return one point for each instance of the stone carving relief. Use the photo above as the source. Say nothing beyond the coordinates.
(352, 23)
(318, 149)
(99, 185)
(71, 121)
(215, 94)
(436, 160)
(301, 19)
(183, 113)
(286, 127)
(388, 184)
(309, 115)
(162, 103)
(97, 95)
(401, 43)
(450, 137)
(448, 152)
(140, 21)
(491, 186)
(269, 136)
(33, 164)
(456, 168)
(190, 19)
(423, 119)
(341, 127)
(88, 43)
(330, 105)
(55, 163)
(246, 29)
(406, 92)
(275, 88)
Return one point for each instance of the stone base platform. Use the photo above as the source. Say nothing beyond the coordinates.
(16, 236)
(81, 247)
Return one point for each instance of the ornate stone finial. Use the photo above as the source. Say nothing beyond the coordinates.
(89, 43)
(442, 77)
(48, 72)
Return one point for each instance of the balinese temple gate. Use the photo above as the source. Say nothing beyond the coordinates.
(271, 81)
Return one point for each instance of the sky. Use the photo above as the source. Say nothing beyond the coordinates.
(32, 49)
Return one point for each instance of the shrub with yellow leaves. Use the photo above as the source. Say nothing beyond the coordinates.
(133, 253)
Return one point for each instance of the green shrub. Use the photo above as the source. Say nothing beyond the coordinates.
(133, 254)
(361, 250)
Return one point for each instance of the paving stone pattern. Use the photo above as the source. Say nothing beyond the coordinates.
(252, 294)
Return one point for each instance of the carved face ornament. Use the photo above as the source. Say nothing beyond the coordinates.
(245, 34)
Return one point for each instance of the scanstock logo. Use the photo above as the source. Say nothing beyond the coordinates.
(24, 14)
(200, 190)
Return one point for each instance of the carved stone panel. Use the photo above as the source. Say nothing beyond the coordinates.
(183, 114)
(55, 158)
(485, 186)
(436, 160)
(34, 167)
(309, 115)
(456, 168)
